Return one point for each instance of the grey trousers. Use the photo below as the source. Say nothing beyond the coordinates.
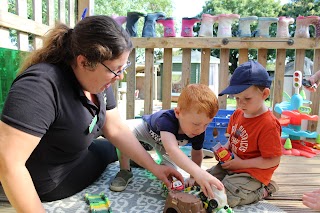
(140, 129)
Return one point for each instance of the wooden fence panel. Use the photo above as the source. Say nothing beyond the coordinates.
(62, 11)
(205, 66)
(71, 13)
(223, 74)
(50, 12)
(243, 55)
(131, 85)
(148, 81)
(278, 80)
(262, 57)
(314, 96)
(37, 15)
(186, 67)
(23, 40)
(167, 78)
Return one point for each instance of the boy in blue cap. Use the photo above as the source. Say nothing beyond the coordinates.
(254, 138)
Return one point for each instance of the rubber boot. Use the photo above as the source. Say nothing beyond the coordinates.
(119, 19)
(245, 26)
(316, 24)
(283, 26)
(168, 26)
(132, 22)
(149, 27)
(206, 27)
(264, 26)
(302, 26)
(225, 21)
(187, 26)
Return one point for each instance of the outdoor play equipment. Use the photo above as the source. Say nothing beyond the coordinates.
(292, 113)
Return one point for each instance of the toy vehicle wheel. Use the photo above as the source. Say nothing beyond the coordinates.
(213, 204)
(202, 197)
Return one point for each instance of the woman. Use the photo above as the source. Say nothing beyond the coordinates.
(59, 104)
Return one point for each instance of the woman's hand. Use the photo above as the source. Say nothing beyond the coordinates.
(166, 174)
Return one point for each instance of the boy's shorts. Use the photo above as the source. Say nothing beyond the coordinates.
(241, 188)
(140, 129)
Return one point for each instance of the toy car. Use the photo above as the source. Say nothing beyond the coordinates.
(177, 185)
(98, 203)
(223, 154)
(216, 205)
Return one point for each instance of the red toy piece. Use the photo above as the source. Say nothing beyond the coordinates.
(177, 185)
(222, 153)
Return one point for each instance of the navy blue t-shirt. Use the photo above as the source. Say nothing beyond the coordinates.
(48, 102)
(165, 120)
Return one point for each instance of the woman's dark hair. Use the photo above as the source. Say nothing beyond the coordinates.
(98, 38)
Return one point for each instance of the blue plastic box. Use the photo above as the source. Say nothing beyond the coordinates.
(220, 123)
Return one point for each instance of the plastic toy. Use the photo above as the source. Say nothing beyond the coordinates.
(292, 113)
(98, 203)
(307, 83)
(222, 153)
(216, 205)
(177, 185)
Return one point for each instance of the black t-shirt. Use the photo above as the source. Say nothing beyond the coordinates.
(165, 120)
(48, 102)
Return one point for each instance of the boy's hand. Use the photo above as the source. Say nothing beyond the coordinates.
(235, 163)
(189, 182)
(312, 199)
(206, 181)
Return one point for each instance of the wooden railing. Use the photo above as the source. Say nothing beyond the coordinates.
(224, 44)
(25, 26)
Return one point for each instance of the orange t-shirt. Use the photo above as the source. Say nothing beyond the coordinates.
(255, 137)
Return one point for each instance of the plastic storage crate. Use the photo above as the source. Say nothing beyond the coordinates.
(218, 125)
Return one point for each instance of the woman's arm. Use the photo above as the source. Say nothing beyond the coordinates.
(15, 148)
(119, 134)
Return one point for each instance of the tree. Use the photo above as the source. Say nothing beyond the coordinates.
(300, 8)
(120, 8)
(266, 8)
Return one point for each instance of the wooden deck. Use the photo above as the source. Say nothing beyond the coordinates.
(295, 175)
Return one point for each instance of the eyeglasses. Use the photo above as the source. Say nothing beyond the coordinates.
(117, 73)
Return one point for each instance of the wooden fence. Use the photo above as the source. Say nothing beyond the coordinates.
(24, 26)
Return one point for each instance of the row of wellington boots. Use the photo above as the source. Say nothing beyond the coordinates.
(283, 26)
(119, 19)
(168, 26)
(264, 24)
(302, 26)
(132, 22)
(187, 26)
(150, 20)
(224, 24)
(245, 26)
(206, 27)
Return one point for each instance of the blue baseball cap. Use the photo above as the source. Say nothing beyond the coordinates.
(247, 74)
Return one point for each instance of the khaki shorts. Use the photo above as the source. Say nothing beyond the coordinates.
(241, 188)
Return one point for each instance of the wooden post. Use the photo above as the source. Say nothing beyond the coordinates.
(82, 4)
